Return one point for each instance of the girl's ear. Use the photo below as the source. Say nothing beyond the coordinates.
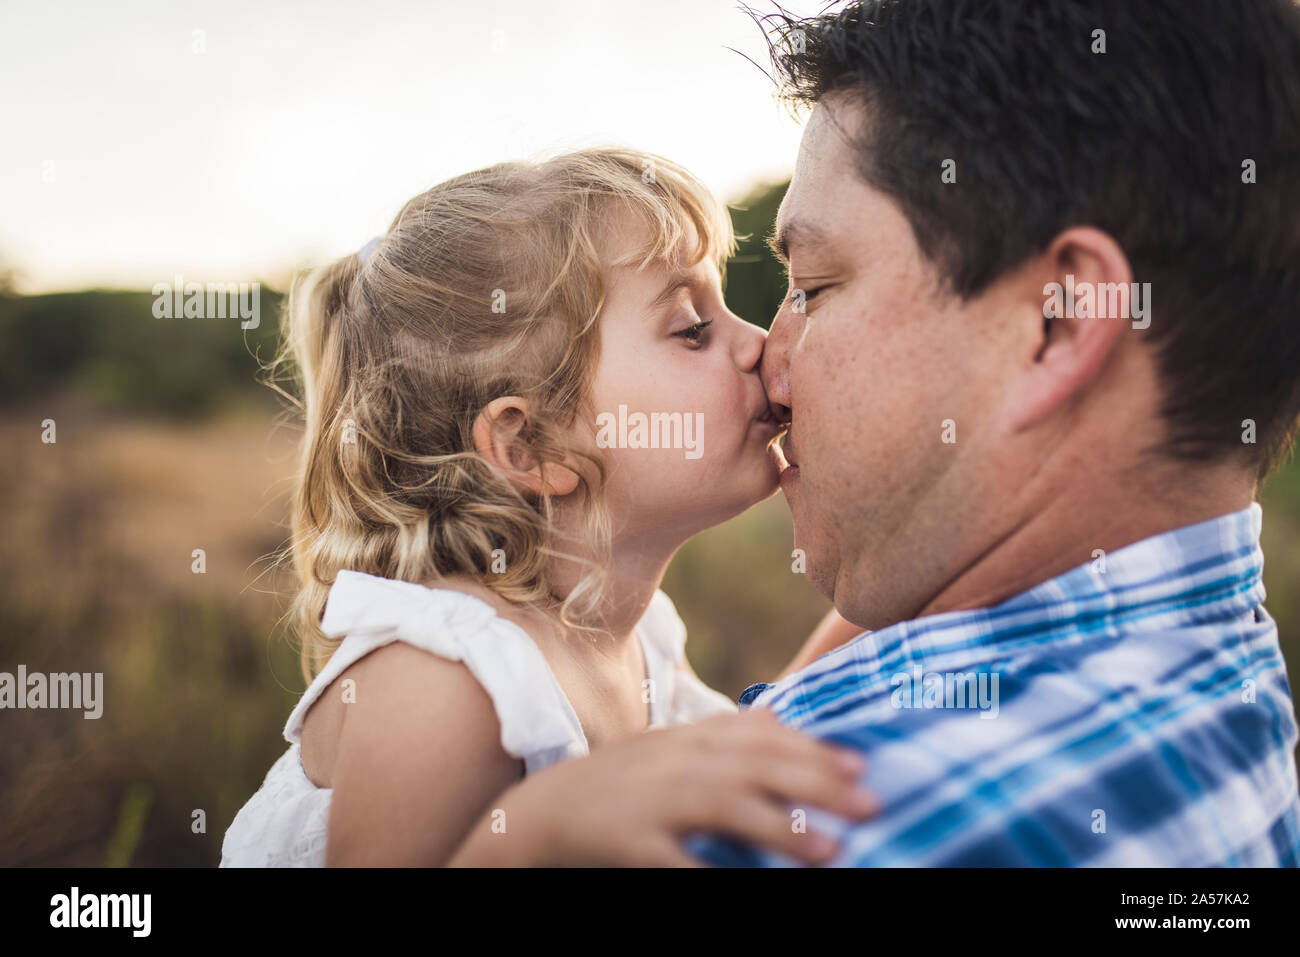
(496, 437)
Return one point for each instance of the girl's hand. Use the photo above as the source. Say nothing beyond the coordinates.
(632, 803)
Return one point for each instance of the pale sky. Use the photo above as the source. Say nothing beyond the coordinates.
(128, 157)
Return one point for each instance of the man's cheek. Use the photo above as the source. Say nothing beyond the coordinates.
(811, 388)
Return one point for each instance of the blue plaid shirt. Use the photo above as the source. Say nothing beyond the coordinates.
(1134, 711)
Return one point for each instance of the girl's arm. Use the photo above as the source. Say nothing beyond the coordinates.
(832, 632)
(633, 802)
(419, 760)
(421, 779)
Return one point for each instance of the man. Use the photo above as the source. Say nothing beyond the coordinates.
(1039, 352)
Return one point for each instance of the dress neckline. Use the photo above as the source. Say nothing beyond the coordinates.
(650, 661)
(652, 713)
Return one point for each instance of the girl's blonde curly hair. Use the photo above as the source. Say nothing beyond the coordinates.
(489, 284)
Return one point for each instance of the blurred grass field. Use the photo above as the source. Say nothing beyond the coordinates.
(165, 445)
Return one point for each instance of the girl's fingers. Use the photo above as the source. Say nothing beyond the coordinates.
(669, 853)
(805, 786)
(793, 745)
(823, 771)
(757, 821)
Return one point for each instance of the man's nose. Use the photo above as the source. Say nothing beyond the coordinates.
(775, 366)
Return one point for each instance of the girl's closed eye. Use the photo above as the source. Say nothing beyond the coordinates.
(695, 333)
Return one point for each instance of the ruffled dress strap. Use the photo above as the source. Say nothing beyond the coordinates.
(538, 724)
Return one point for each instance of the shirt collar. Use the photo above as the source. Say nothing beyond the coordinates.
(1198, 574)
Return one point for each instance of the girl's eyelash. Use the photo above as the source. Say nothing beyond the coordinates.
(693, 333)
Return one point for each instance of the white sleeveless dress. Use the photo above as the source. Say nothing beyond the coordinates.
(286, 822)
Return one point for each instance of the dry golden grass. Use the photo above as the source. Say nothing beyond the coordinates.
(96, 575)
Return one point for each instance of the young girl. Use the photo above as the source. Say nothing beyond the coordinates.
(519, 403)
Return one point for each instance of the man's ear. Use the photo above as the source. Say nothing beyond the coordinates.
(1070, 340)
(497, 438)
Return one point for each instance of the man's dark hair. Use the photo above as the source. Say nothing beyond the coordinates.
(1148, 140)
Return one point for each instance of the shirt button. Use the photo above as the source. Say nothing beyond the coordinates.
(752, 692)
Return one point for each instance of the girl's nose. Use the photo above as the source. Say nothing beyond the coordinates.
(749, 345)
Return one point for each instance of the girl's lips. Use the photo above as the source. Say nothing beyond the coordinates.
(770, 424)
(770, 414)
(769, 427)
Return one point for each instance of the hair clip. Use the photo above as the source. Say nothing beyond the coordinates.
(368, 248)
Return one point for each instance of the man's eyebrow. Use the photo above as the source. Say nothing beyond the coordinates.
(794, 233)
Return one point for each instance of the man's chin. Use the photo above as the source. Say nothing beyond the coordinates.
(820, 573)
(822, 580)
